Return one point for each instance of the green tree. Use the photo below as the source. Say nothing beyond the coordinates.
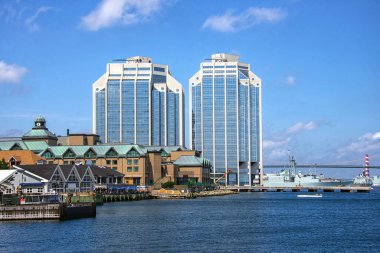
(169, 184)
(4, 165)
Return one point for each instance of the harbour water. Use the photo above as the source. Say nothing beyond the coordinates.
(246, 222)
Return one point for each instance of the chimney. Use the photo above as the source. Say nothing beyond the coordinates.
(68, 132)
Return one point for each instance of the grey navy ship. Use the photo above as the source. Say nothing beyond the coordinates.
(290, 178)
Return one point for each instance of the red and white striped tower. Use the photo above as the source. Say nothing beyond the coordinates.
(366, 166)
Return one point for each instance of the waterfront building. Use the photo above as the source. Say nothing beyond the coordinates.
(42, 179)
(140, 165)
(137, 101)
(225, 118)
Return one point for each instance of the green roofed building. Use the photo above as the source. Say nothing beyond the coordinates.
(141, 165)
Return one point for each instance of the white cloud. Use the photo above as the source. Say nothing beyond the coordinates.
(290, 80)
(125, 12)
(300, 126)
(270, 144)
(11, 73)
(229, 22)
(278, 153)
(365, 143)
(276, 148)
(31, 21)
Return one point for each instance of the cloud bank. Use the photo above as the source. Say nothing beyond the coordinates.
(230, 22)
(300, 127)
(369, 142)
(11, 73)
(278, 144)
(125, 12)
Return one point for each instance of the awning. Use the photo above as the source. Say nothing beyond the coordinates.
(31, 184)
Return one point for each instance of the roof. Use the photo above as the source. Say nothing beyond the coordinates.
(81, 170)
(35, 146)
(39, 133)
(188, 160)
(100, 150)
(104, 171)
(5, 174)
(40, 147)
(22, 156)
(44, 170)
(7, 145)
(66, 169)
(167, 149)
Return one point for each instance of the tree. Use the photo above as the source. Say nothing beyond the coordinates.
(4, 165)
(169, 184)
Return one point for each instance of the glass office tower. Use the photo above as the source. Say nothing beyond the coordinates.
(137, 101)
(225, 118)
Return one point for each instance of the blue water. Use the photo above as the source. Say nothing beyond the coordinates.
(248, 222)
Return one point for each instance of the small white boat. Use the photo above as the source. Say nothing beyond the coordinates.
(309, 195)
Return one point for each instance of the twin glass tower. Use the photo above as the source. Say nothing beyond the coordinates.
(137, 101)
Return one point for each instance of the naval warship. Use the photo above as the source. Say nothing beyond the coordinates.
(288, 177)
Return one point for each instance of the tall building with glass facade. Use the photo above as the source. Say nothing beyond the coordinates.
(137, 101)
(225, 118)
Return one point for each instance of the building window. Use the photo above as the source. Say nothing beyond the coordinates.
(40, 190)
(69, 154)
(111, 153)
(133, 153)
(136, 169)
(29, 190)
(9, 191)
(159, 69)
(90, 154)
(114, 162)
(108, 162)
(129, 161)
(135, 161)
(65, 162)
(114, 168)
(129, 169)
(50, 162)
(47, 155)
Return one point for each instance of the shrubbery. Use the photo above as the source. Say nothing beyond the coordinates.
(169, 184)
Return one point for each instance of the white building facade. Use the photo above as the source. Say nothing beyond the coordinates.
(137, 101)
(226, 118)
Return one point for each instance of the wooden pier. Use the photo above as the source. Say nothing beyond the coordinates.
(58, 211)
(358, 189)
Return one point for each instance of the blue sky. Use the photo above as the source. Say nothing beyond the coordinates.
(319, 62)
